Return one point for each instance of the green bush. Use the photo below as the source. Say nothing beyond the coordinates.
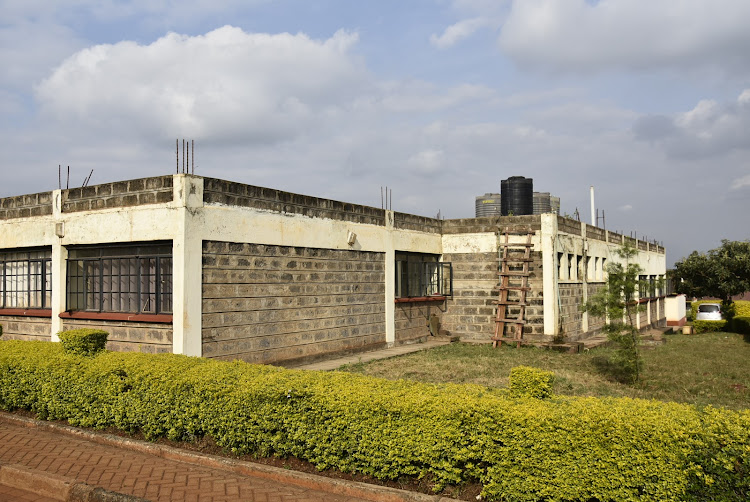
(526, 381)
(562, 449)
(709, 326)
(741, 325)
(741, 308)
(85, 342)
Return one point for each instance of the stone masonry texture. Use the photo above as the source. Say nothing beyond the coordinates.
(119, 194)
(125, 336)
(237, 194)
(267, 304)
(26, 206)
(26, 328)
(412, 320)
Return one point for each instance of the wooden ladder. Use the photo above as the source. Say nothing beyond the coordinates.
(509, 281)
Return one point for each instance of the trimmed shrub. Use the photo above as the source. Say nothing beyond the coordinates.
(562, 449)
(526, 381)
(709, 326)
(85, 342)
(741, 308)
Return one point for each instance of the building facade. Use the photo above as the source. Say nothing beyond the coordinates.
(206, 267)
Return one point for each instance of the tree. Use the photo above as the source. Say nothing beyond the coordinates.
(618, 302)
(721, 273)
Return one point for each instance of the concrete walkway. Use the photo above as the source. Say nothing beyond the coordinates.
(363, 357)
(42, 461)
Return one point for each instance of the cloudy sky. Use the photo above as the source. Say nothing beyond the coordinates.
(439, 100)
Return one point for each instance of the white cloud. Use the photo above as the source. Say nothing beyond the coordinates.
(418, 96)
(739, 183)
(457, 32)
(226, 85)
(427, 161)
(571, 35)
(709, 129)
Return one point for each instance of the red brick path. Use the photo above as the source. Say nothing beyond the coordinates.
(156, 478)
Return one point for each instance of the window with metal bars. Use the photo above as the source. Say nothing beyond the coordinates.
(26, 278)
(134, 278)
(422, 275)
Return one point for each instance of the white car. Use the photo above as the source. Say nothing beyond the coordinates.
(708, 312)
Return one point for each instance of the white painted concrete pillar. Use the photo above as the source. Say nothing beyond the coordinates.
(637, 295)
(549, 273)
(59, 267)
(585, 271)
(187, 260)
(390, 281)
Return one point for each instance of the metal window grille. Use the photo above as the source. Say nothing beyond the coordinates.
(423, 278)
(26, 279)
(135, 280)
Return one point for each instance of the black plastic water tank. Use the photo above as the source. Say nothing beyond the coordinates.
(517, 196)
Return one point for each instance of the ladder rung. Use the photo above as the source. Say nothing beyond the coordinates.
(514, 288)
(511, 321)
(514, 274)
(516, 244)
(510, 303)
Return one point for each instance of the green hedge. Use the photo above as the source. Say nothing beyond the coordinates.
(742, 308)
(522, 449)
(86, 341)
(709, 326)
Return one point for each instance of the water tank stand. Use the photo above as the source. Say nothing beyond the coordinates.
(514, 276)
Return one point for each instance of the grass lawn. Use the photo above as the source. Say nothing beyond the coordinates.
(711, 368)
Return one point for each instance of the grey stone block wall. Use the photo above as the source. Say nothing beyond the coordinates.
(26, 206)
(471, 312)
(26, 328)
(278, 304)
(571, 317)
(151, 338)
(568, 226)
(515, 224)
(237, 194)
(412, 320)
(597, 233)
(119, 194)
(596, 324)
(419, 223)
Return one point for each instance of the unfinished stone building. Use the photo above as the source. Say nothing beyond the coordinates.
(206, 267)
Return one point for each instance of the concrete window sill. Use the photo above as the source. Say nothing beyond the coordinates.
(421, 299)
(27, 312)
(118, 316)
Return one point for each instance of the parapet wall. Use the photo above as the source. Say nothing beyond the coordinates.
(237, 194)
(515, 224)
(119, 194)
(26, 206)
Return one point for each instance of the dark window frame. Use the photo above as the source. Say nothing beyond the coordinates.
(422, 276)
(37, 277)
(133, 278)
